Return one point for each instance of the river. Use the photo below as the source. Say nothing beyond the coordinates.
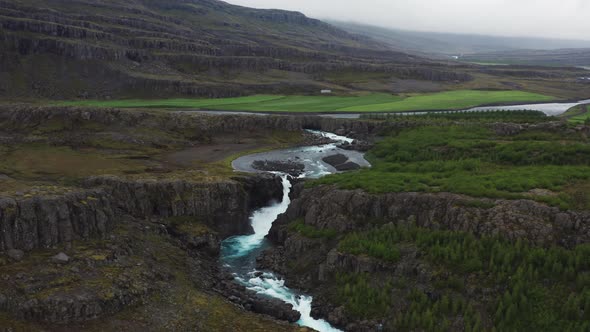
(239, 252)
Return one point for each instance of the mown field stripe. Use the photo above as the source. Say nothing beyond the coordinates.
(375, 102)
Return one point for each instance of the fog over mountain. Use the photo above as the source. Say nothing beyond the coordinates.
(532, 18)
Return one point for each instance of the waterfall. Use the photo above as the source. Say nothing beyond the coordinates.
(239, 252)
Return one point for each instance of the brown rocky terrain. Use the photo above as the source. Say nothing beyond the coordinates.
(123, 243)
(136, 250)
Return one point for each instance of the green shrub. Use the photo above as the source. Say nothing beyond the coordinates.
(471, 160)
(544, 288)
(311, 232)
(361, 298)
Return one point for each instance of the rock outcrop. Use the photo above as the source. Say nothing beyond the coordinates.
(327, 207)
(22, 119)
(311, 263)
(340, 211)
(44, 222)
(289, 167)
(224, 206)
(248, 299)
(340, 163)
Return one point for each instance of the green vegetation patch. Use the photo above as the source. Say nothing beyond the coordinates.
(172, 103)
(470, 159)
(312, 232)
(361, 298)
(538, 288)
(579, 114)
(375, 102)
(41, 161)
(451, 100)
(374, 244)
(189, 225)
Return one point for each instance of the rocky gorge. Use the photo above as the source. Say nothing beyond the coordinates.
(112, 250)
(46, 222)
(309, 254)
(106, 245)
(167, 209)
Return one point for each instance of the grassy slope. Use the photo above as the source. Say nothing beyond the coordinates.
(580, 114)
(470, 159)
(454, 100)
(366, 103)
(41, 168)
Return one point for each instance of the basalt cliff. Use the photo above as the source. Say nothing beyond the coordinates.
(95, 49)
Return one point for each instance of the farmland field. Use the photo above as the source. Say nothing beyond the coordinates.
(375, 102)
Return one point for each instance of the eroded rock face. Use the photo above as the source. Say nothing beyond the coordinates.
(44, 222)
(132, 44)
(90, 281)
(15, 254)
(327, 207)
(22, 119)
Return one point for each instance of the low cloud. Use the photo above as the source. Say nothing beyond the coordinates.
(533, 18)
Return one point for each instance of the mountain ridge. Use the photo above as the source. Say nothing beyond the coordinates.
(579, 57)
(444, 43)
(182, 47)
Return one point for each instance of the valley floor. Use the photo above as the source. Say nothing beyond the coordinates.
(372, 102)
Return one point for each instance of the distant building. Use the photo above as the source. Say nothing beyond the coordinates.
(326, 92)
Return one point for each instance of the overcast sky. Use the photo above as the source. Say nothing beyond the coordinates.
(539, 18)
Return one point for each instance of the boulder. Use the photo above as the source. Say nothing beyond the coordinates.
(356, 145)
(340, 163)
(61, 258)
(284, 166)
(335, 160)
(274, 308)
(349, 166)
(15, 254)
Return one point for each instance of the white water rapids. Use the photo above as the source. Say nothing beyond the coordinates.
(239, 253)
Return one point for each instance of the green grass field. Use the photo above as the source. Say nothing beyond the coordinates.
(377, 102)
(579, 114)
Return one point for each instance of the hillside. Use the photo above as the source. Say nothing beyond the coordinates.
(436, 43)
(91, 48)
(561, 57)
